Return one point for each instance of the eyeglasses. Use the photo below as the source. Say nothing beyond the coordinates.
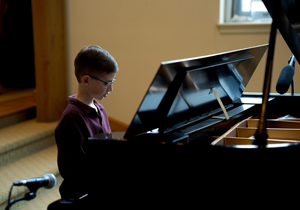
(107, 84)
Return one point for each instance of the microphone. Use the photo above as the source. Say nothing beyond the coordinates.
(48, 181)
(286, 76)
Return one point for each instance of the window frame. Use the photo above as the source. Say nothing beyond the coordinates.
(226, 26)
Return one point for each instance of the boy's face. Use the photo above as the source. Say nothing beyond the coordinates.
(100, 89)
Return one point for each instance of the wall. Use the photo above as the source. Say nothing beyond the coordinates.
(140, 34)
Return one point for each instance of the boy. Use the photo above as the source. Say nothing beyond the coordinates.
(95, 70)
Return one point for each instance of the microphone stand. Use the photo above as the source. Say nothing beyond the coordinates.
(261, 134)
(292, 86)
(292, 58)
(27, 196)
(32, 186)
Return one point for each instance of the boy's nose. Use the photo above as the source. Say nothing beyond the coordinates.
(110, 88)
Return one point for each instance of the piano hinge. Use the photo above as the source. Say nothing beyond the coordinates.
(221, 105)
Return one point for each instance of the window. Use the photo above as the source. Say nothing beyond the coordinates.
(243, 16)
(244, 11)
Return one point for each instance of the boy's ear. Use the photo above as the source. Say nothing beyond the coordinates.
(85, 80)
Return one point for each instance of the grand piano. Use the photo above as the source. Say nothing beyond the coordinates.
(174, 153)
(168, 150)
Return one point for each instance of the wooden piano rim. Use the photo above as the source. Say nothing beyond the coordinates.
(252, 146)
(232, 135)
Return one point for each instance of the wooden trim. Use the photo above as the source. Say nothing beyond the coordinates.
(240, 28)
(17, 105)
(50, 58)
(116, 125)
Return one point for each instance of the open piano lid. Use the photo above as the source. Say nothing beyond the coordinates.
(181, 91)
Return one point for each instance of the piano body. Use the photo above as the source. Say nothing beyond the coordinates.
(170, 148)
(175, 151)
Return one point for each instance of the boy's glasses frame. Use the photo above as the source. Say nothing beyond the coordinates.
(106, 83)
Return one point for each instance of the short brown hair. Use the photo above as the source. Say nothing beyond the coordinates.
(94, 59)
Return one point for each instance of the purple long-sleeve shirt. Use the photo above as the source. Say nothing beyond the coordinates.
(78, 122)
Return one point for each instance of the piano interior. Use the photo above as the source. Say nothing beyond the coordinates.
(281, 130)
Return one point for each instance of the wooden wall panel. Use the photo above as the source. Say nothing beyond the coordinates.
(50, 58)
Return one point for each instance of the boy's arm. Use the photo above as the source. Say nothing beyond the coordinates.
(71, 141)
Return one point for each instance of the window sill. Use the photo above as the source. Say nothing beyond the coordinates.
(246, 28)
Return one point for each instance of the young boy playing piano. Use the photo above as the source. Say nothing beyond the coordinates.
(95, 70)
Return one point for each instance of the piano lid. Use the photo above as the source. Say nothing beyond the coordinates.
(181, 91)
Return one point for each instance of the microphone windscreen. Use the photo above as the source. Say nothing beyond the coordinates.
(285, 79)
(52, 180)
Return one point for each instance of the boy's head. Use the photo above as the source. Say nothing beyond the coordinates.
(93, 60)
